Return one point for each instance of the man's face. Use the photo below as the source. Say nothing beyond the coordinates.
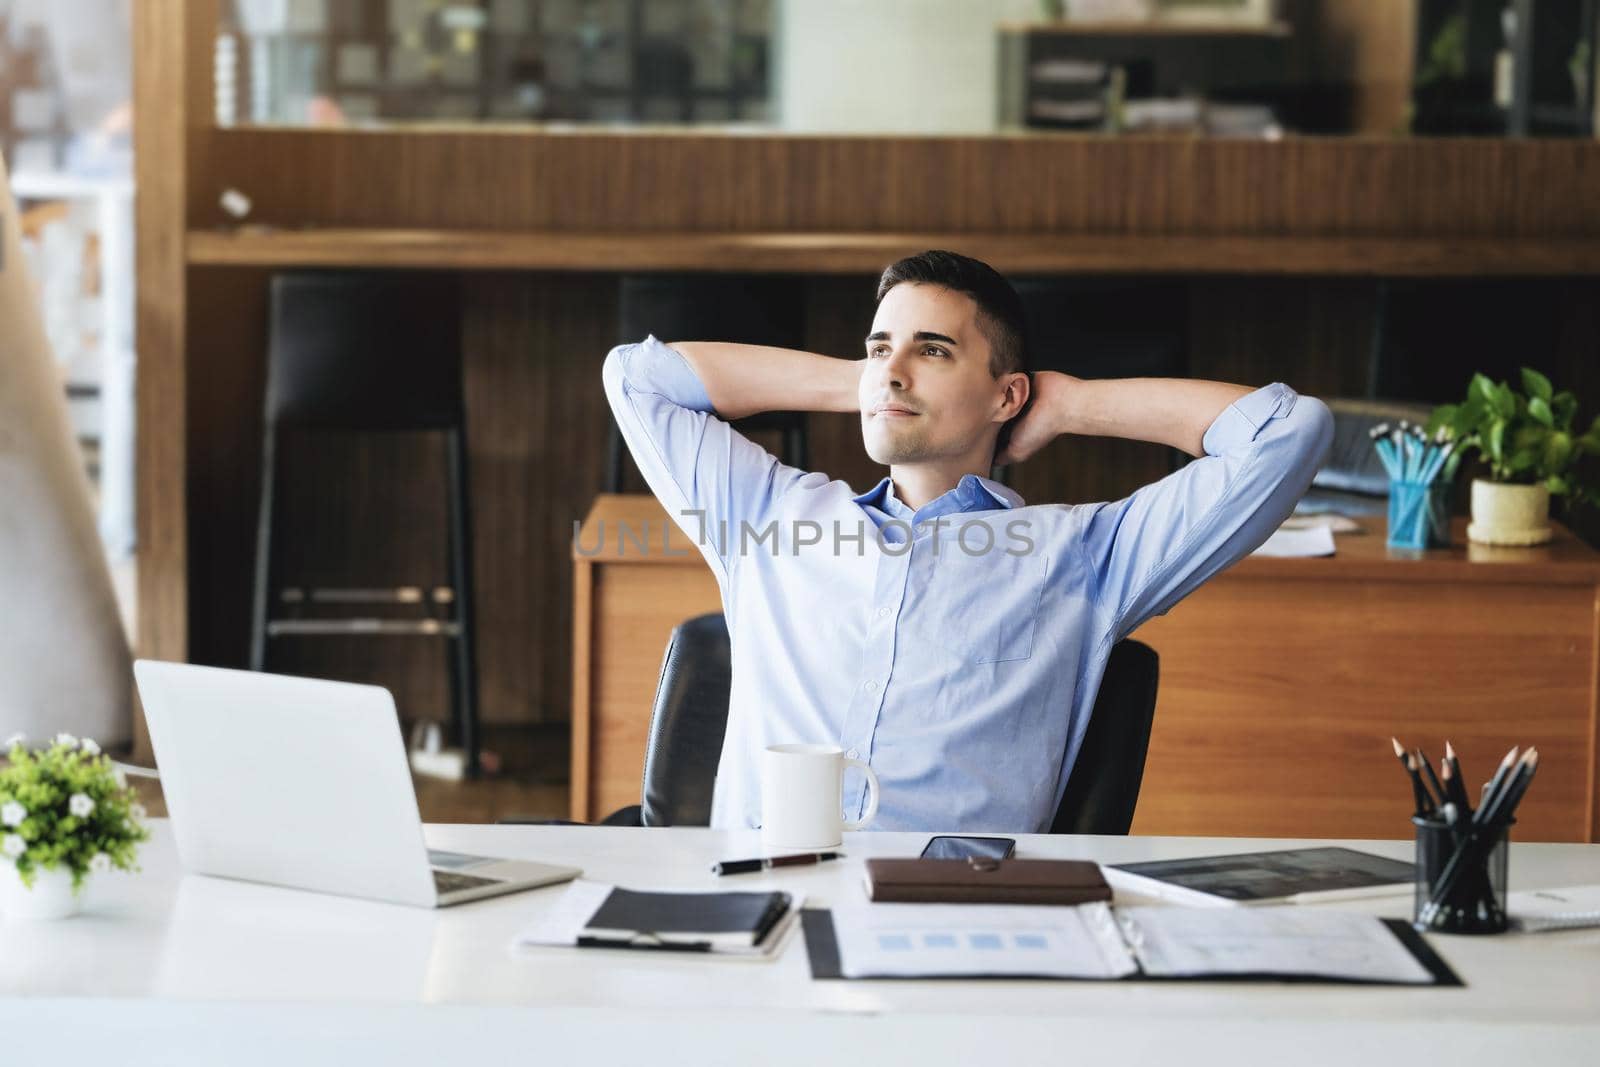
(926, 392)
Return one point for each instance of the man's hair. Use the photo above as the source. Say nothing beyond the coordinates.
(1000, 314)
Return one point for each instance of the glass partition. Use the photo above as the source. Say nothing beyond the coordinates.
(1243, 68)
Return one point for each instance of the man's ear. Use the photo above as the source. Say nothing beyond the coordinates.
(1018, 390)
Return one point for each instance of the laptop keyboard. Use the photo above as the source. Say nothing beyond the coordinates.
(450, 882)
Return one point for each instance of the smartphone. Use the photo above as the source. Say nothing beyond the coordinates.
(960, 848)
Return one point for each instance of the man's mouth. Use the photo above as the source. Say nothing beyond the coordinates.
(893, 411)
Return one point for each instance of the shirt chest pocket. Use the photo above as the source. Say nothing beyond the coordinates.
(983, 609)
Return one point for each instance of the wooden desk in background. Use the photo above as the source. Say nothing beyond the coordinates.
(1281, 680)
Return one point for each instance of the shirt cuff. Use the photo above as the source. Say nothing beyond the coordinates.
(1243, 419)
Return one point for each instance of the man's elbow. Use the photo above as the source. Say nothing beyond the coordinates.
(1315, 428)
(613, 371)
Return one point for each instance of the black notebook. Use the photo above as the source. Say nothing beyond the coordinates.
(704, 922)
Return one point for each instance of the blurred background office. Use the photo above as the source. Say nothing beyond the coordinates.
(1369, 199)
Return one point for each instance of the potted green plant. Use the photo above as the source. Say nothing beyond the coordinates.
(65, 813)
(1528, 441)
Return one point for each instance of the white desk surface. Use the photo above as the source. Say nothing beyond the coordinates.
(165, 969)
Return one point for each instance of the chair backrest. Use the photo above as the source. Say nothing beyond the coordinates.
(1104, 786)
(687, 725)
(691, 717)
(364, 350)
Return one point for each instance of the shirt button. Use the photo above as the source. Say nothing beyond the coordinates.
(853, 754)
(883, 613)
(872, 687)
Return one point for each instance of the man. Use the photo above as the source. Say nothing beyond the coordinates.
(935, 626)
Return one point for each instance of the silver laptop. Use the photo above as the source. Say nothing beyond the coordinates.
(304, 783)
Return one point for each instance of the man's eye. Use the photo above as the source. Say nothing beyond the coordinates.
(934, 350)
(879, 351)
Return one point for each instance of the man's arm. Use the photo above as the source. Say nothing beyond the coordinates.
(746, 380)
(1258, 451)
(710, 479)
(1166, 411)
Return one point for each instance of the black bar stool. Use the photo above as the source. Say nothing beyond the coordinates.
(742, 309)
(369, 353)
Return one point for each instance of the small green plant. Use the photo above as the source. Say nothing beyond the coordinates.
(1527, 437)
(66, 807)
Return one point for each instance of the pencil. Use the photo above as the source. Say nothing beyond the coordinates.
(1425, 803)
(1499, 810)
(1495, 784)
(1418, 794)
(1432, 779)
(1487, 830)
(1454, 783)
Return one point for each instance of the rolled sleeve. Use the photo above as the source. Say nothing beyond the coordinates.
(1246, 417)
(709, 478)
(653, 367)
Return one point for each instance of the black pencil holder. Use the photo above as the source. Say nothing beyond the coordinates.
(1475, 900)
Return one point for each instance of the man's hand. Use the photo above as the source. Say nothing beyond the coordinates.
(1040, 424)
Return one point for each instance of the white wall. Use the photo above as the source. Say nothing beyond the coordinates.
(891, 66)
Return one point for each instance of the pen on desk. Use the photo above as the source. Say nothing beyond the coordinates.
(746, 866)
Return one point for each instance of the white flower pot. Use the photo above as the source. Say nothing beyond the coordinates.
(50, 898)
(1505, 514)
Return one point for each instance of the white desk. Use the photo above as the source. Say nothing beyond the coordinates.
(167, 970)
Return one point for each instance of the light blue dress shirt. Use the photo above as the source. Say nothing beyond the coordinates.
(957, 648)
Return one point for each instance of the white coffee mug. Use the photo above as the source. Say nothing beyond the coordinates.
(801, 796)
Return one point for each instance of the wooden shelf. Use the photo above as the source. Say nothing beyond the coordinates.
(1148, 28)
(841, 253)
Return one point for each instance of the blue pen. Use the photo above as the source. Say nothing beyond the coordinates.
(1380, 443)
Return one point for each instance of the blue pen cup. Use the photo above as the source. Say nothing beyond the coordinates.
(1419, 514)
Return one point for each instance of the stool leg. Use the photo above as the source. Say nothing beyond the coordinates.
(260, 606)
(464, 662)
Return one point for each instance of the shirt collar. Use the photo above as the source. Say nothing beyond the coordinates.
(972, 493)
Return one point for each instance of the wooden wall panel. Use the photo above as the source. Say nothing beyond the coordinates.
(538, 445)
(653, 181)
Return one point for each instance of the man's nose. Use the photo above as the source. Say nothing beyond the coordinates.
(897, 369)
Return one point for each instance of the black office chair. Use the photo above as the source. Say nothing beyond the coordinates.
(715, 307)
(368, 353)
(1103, 788)
(691, 715)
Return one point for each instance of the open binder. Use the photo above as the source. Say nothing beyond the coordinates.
(1101, 943)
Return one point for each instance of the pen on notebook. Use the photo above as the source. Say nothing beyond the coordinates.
(746, 866)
